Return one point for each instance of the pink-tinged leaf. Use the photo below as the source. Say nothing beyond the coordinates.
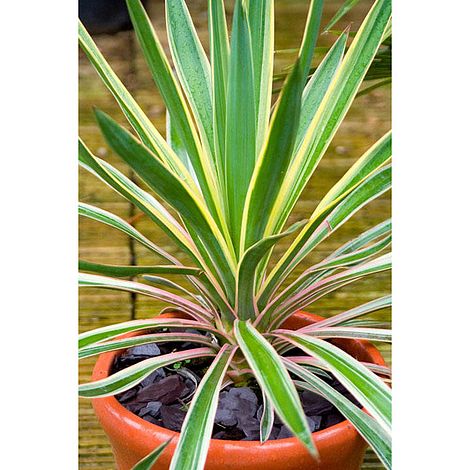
(125, 343)
(197, 312)
(364, 309)
(369, 334)
(322, 224)
(127, 378)
(379, 370)
(104, 333)
(327, 267)
(312, 362)
(307, 296)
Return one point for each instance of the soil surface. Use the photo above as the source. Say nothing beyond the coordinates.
(164, 396)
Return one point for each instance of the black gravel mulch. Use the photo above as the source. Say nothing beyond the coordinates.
(164, 396)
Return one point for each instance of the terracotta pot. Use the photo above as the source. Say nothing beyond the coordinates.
(340, 446)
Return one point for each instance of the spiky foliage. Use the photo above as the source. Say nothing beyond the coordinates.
(232, 171)
(380, 70)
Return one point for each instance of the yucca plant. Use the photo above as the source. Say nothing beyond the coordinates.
(232, 167)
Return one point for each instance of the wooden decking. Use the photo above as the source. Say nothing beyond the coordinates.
(368, 120)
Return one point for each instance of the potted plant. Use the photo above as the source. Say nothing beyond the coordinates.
(235, 349)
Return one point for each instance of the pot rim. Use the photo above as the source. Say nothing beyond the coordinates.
(112, 405)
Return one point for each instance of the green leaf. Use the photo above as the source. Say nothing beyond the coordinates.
(379, 154)
(317, 86)
(366, 387)
(331, 111)
(174, 141)
(219, 50)
(261, 19)
(274, 379)
(368, 428)
(246, 274)
(345, 7)
(173, 190)
(353, 258)
(126, 271)
(105, 217)
(192, 68)
(134, 114)
(375, 157)
(311, 98)
(322, 224)
(127, 378)
(147, 462)
(240, 137)
(388, 32)
(193, 443)
(309, 39)
(277, 153)
(143, 200)
(156, 212)
(274, 161)
(180, 115)
(379, 84)
(362, 240)
(159, 215)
